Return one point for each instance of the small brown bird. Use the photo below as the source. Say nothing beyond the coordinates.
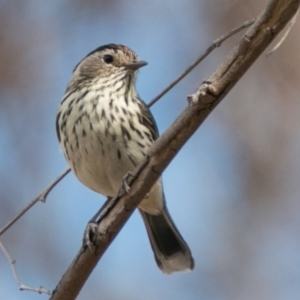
(105, 130)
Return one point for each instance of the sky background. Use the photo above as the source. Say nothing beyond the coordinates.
(233, 190)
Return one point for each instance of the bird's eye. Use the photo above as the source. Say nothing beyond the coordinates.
(108, 59)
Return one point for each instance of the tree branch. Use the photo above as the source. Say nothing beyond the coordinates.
(201, 103)
(22, 286)
(291, 25)
(216, 43)
(41, 197)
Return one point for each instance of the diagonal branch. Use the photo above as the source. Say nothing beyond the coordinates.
(216, 43)
(209, 94)
(291, 25)
(22, 286)
(41, 197)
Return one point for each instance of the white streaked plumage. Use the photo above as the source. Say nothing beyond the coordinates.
(105, 130)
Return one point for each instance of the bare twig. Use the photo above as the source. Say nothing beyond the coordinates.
(22, 286)
(209, 94)
(291, 25)
(41, 197)
(216, 43)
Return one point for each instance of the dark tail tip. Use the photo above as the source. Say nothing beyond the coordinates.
(170, 250)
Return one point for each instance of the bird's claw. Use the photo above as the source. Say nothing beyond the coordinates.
(125, 185)
(90, 233)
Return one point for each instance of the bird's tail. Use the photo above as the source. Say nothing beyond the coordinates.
(170, 250)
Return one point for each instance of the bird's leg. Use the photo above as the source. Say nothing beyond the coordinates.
(91, 229)
(125, 185)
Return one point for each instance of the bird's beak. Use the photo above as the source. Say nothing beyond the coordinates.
(135, 65)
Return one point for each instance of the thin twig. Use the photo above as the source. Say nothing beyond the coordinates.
(291, 25)
(41, 197)
(216, 43)
(22, 286)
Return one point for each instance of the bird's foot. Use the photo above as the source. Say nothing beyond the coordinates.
(90, 234)
(125, 184)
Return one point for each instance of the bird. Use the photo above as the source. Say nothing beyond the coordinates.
(105, 129)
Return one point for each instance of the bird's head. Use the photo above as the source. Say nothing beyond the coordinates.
(109, 61)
